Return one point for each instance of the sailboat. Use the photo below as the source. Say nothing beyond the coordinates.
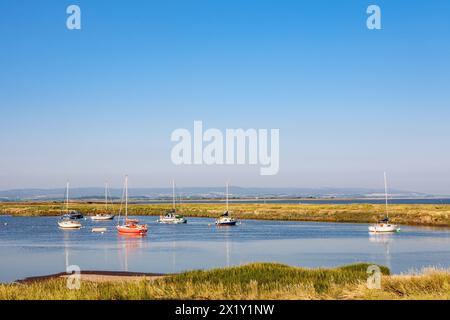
(171, 216)
(384, 225)
(130, 227)
(68, 220)
(225, 219)
(100, 216)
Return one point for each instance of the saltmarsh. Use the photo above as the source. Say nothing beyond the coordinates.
(252, 281)
(408, 214)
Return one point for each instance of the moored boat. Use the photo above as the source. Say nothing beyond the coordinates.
(104, 216)
(69, 224)
(384, 226)
(73, 214)
(226, 219)
(171, 216)
(68, 219)
(130, 226)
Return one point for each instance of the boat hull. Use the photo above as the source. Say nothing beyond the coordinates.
(136, 230)
(102, 218)
(69, 225)
(384, 228)
(226, 222)
(172, 221)
(73, 215)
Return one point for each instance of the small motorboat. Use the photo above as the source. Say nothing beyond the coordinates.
(130, 226)
(226, 220)
(172, 218)
(102, 217)
(69, 224)
(100, 230)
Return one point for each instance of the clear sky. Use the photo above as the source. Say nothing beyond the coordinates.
(94, 104)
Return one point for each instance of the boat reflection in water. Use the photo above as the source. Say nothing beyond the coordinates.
(66, 250)
(385, 240)
(73, 282)
(227, 234)
(129, 244)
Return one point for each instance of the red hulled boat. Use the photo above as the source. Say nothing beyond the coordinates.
(130, 226)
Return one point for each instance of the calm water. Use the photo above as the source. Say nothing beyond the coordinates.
(31, 246)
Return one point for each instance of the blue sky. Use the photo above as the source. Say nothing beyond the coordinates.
(94, 104)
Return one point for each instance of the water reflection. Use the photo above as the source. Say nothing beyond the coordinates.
(385, 240)
(174, 256)
(66, 248)
(225, 231)
(129, 244)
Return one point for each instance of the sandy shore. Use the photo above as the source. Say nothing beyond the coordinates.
(99, 276)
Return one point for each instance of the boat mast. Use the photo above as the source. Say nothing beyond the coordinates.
(227, 195)
(67, 197)
(173, 194)
(386, 194)
(106, 195)
(126, 198)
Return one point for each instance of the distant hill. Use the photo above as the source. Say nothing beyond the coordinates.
(201, 193)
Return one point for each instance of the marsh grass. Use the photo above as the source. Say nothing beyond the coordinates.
(411, 214)
(252, 281)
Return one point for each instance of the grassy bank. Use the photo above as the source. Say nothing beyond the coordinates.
(411, 214)
(253, 281)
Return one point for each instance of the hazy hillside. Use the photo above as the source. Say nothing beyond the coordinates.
(200, 192)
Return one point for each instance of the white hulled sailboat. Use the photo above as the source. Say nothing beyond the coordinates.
(226, 219)
(106, 216)
(69, 219)
(384, 225)
(171, 217)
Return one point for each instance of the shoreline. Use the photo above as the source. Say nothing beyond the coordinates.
(96, 276)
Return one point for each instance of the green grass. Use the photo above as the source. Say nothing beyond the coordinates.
(249, 281)
(252, 281)
(414, 214)
(271, 276)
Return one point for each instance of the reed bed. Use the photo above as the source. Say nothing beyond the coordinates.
(252, 281)
(411, 214)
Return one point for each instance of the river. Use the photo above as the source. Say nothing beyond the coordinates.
(34, 246)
